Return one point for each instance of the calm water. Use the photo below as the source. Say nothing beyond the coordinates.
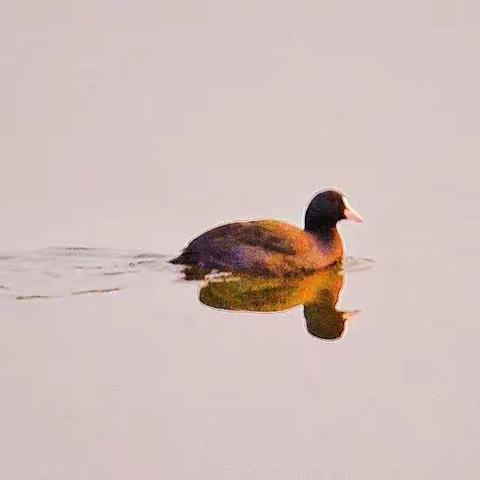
(130, 127)
(112, 366)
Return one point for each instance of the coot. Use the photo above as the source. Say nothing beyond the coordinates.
(272, 247)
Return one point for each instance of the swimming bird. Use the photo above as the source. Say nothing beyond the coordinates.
(272, 247)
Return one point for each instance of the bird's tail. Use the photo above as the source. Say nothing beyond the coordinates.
(185, 258)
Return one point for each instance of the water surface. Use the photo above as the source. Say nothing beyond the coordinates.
(112, 351)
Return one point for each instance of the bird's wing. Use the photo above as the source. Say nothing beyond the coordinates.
(271, 235)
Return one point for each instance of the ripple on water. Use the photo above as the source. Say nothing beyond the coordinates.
(57, 272)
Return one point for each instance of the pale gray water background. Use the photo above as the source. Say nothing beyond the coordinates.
(136, 125)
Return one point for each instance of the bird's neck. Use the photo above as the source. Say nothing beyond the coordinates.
(327, 235)
(329, 242)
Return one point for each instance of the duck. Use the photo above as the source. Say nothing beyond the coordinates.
(274, 248)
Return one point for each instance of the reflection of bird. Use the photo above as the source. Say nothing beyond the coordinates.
(274, 248)
(318, 294)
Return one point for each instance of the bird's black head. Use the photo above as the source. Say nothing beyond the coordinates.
(326, 209)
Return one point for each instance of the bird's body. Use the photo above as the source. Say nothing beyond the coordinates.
(261, 247)
(272, 247)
